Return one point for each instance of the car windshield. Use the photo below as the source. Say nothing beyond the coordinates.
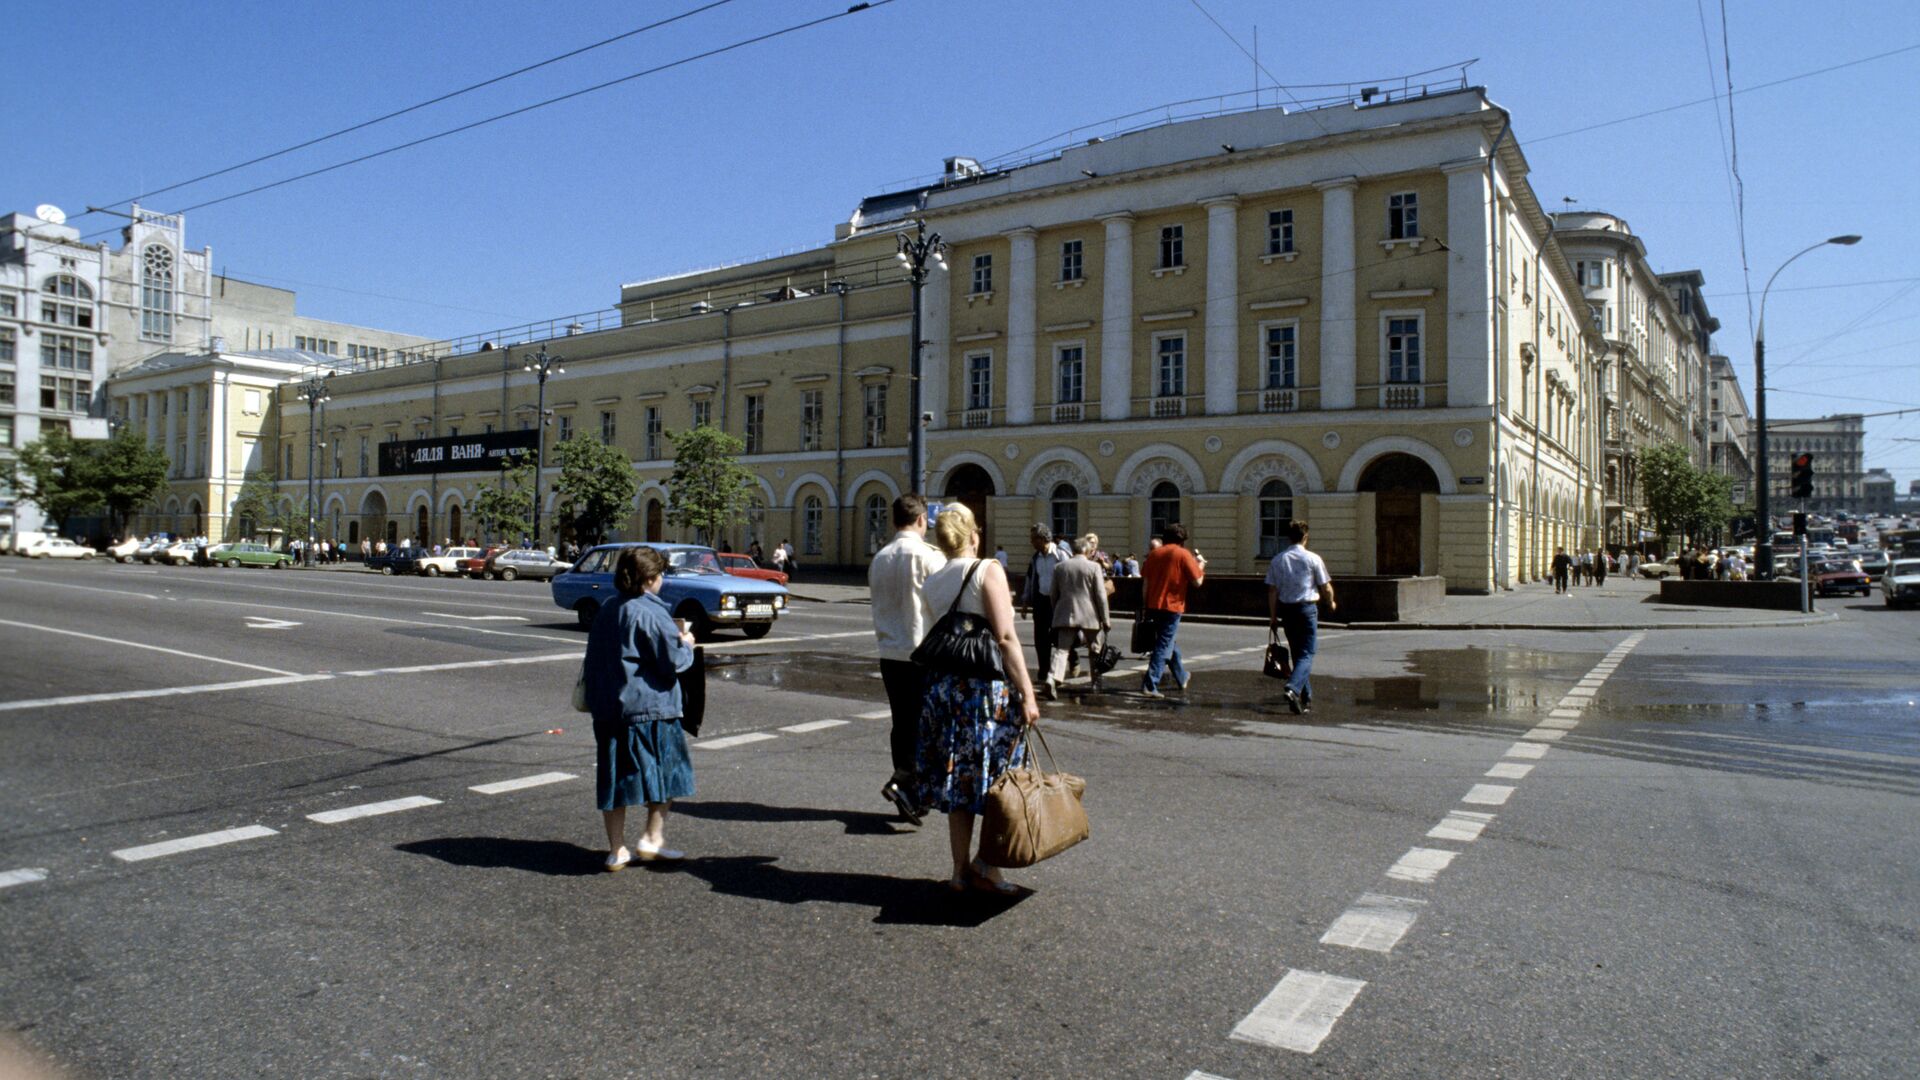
(693, 562)
(1905, 567)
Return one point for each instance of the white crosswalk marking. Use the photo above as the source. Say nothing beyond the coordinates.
(23, 876)
(502, 786)
(814, 725)
(1299, 1012)
(1488, 794)
(1421, 864)
(1462, 825)
(374, 809)
(1375, 923)
(193, 843)
(733, 740)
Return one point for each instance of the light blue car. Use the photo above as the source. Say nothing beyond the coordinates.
(696, 589)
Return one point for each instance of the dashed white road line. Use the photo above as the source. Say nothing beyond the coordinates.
(1198, 1075)
(500, 787)
(143, 645)
(814, 725)
(1375, 923)
(1564, 713)
(26, 875)
(157, 692)
(372, 809)
(1421, 864)
(1526, 750)
(877, 714)
(458, 665)
(1299, 1012)
(1488, 794)
(193, 843)
(1509, 770)
(1462, 825)
(733, 740)
(1563, 723)
(1545, 735)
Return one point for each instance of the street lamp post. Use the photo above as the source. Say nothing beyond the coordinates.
(313, 391)
(541, 364)
(918, 253)
(1762, 510)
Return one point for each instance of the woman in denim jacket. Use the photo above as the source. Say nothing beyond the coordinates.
(635, 653)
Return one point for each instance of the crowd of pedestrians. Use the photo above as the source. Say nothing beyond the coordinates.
(1584, 568)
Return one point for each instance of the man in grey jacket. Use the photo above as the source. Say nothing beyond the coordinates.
(1080, 616)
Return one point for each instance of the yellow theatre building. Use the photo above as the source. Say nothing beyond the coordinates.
(1357, 315)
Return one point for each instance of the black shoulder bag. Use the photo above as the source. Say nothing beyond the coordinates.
(961, 643)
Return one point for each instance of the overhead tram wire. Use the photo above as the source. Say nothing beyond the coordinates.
(582, 92)
(416, 107)
(1736, 190)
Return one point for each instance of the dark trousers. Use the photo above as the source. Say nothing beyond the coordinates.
(906, 687)
(1043, 632)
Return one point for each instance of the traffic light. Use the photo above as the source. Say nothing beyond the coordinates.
(1803, 476)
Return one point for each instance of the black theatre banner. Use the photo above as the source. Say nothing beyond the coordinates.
(459, 453)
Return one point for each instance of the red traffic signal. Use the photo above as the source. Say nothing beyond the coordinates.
(1802, 476)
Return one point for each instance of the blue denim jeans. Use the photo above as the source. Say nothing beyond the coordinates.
(1301, 623)
(1165, 657)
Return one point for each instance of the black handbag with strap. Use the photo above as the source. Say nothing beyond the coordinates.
(961, 643)
(1279, 659)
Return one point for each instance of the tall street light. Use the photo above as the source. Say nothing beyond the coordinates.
(313, 391)
(919, 253)
(541, 364)
(1762, 511)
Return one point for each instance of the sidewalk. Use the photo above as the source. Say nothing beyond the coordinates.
(1620, 604)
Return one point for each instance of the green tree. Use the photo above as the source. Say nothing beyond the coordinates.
(595, 488)
(53, 473)
(127, 474)
(505, 510)
(709, 489)
(1667, 480)
(255, 505)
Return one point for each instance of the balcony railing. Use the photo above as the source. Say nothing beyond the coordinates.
(1403, 396)
(1279, 399)
(1067, 412)
(1165, 407)
(975, 418)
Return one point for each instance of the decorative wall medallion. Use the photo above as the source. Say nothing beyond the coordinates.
(1213, 444)
(1463, 436)
(1106, 447)
(1055, 473)
(1331, 440)
(1012, 451)
(780, 473)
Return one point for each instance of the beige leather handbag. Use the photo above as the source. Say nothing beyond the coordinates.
(1032, 814)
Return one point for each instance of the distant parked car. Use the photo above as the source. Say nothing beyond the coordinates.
(150, 549)
(250, 553)
(695, 589)
(743, 566)
(1667, 567)
(447, 562)
(123, 551)
(59, 547)
(178, 553)
(395, 560)
(523, 563)
(477, 565)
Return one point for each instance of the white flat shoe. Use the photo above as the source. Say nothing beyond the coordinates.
(646, 853)
(617, 861)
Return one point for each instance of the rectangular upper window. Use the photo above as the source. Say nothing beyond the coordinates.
(874, 413)
(1173, 246)
(1403, 216)
(983, 273)
(980, 381)
(813, 417)
(607, 426)
(1282, 356)
(1070, 384)
(1403, 349)
(755, 430)
(652, 425)
(1072, 265)
(1279, 232)
(1170, 372)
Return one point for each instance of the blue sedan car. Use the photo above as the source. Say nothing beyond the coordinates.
(696, 589)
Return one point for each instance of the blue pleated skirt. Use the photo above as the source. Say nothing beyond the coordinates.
(641, 761)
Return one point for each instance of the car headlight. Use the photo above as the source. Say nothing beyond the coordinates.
(728, 603)
(779, 601)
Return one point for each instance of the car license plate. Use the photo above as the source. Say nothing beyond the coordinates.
(759, 611)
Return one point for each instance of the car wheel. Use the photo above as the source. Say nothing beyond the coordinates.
(433, 571)
(233, 564)
(756, 631)
(387, 570)
(486, 575)
(585, 611)
(508, 574)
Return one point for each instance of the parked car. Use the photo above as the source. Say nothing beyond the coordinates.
(395, 560)
(251, 553)
(522, 562)
(475, 566)
(178, 553)
(1667, 567)
(58, 547)
(743, 566)
(1874, 564)
(695, 588)
(1838, 576)
(447, 562)
(150, 549)
(1901, 583)
(123, 551)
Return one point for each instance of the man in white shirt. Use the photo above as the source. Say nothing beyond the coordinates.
(896, 579)
(1036, 592)
(1296, 581)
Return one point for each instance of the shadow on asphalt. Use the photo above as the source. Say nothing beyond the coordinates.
(857, 822)
(555, 858)
(901, 901)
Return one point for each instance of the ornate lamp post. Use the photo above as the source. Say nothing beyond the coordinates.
(541, 364)
(313, 391)
(918, 252)
(1762, 511)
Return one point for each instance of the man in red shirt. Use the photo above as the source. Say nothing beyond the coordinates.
(1170, 571)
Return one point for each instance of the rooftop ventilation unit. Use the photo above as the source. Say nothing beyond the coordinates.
(962, 168)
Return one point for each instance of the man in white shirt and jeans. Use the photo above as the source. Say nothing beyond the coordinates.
(1296, 580)
(897, 578)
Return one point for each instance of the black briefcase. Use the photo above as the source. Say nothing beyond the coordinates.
(693, 693)
(1143, 633)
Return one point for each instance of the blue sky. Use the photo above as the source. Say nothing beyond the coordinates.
(763, 149)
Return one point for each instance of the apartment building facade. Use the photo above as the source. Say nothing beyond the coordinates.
(1729, 429)
(1838, 446)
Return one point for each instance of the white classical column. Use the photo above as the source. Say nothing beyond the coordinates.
(150, 416)
(1116, 320)
(1469, 333)
(172, 448)
(1337, 288)
(1223, 308)
(217, 430)
(935, 302)
(1021, 326)
(194, 397)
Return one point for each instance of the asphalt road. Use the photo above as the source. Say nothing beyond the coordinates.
(1669, 854)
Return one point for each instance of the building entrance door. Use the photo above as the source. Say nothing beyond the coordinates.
(971, 486)
(656, 522)
(1397, 482)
